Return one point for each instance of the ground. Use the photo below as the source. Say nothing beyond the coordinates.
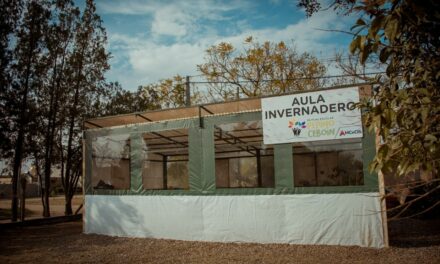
(34, 208)
(413, 241)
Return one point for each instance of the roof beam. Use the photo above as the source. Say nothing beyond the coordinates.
(145, 118)
(236, 139)
(169, 139)
(93, 124)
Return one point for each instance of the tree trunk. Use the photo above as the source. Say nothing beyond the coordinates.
(23, 198)
(68, 205)
(18, 153)
(46, 209)
(73, 113)
(49, 135)
(15, 174)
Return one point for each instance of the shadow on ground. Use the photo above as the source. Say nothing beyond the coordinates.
(409, 233)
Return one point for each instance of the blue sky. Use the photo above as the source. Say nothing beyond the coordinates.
(152, 40)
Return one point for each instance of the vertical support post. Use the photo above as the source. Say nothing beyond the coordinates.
(283, 166)
(83, 141)
(187, 92)
(259, 175)
(136, 162)
(237, 94)
(383, 204)
(315, 162)
(164, 172)
(200, 118)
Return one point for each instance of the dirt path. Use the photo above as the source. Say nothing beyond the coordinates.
(34, 208)
(64, 243)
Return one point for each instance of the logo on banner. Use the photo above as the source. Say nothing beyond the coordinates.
(296, 126)
(350, 132)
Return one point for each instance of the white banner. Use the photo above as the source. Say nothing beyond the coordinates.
(322, 115)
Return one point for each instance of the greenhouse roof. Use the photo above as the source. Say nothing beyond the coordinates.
(244, 105)
(222, 108)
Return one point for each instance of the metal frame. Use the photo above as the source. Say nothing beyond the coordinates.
(201, 151)
(206, 105)
(202, 160)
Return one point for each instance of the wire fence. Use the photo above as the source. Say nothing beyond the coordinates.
(198, 90)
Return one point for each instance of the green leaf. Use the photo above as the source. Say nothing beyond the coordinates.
(376, 26)
(392, 28)
(384, 54)
(360, 22)
(430, 138)
(364, 54)
(354, 45)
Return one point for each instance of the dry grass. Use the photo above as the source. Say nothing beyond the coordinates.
(414, 241)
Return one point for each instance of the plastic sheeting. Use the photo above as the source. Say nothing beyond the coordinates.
(242, 105)
(174, 113)
(331, 219)
(202, 180)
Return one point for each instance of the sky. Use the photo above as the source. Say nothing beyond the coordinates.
(153, 40)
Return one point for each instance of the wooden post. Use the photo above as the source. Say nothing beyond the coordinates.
(83, 178)
(383, 204)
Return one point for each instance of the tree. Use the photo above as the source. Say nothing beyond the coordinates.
(268, 68)
(86, 84)
(405, 35)
(11, 12)
(59, 40)
(124, 102)
(26, 78)
(168, 93)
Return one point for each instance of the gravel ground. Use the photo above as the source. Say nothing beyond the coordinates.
(413, 241)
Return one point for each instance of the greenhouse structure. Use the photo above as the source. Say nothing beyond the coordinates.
(280, 169)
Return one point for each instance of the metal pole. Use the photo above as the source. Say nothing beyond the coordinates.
(187, 92)
(164, 172)
(259, 174)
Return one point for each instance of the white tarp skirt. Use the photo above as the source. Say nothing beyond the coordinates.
(330, 219)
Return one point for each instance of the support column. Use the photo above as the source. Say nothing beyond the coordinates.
(164, 172)
(259, 174)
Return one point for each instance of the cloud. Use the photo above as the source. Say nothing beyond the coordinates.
(174, 18)
(126, 7)
(143, 59)
(169, 21)
(142, 7)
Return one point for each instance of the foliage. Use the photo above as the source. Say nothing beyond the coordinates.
(406, 36)
(8, 25)
(168, 93)
(85, 80)
(56, 60)
(26, 71)
(125, 102)
(268, 68)
(405, 110)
